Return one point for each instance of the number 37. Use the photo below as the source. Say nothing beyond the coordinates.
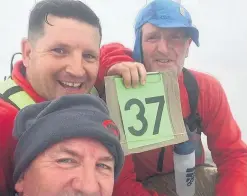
(141, 114)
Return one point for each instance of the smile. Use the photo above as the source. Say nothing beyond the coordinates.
(70, 84)
(163, 61)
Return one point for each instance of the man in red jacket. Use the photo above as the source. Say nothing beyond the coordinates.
(60, 56)
(164, 33)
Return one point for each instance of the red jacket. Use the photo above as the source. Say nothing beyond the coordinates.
(229, 152)
(109, 56)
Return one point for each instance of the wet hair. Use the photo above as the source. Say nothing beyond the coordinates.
(73, 9)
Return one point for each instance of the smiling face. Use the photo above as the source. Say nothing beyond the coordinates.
(65, 60)
(75, 167)
(164, 48)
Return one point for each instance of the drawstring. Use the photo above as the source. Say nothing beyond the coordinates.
(12, 64)
(12, 61)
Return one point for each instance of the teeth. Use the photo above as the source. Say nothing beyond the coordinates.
(163, 61)
(72, 84)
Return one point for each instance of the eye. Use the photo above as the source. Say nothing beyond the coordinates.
(152, 38)
(60, 51)
(104, 166)
(89, 56)
(66, 161)
(176, 37)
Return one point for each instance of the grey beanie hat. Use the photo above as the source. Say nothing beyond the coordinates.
(39, 126)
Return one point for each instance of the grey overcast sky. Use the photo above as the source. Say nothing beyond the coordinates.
(222, 25)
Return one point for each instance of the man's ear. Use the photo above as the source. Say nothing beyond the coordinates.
(19, 186)
(188, 42)
(26, 50)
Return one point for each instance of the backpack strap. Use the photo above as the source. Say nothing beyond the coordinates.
(14, 94)
(5, 96)
(193, 120)
(94, 92)
(17, 97)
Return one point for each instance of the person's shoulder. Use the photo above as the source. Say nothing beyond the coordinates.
(7, 112)
(115, 48)
(204, 77)
(206, 81)
(211, 91)
(7, 118)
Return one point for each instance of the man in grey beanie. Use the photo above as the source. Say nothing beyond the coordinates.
(68, 146)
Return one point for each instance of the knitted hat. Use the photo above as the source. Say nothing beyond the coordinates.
(39, 126)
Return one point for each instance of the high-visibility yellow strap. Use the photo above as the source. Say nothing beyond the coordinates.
(7, 84)
(21, 99)
(94, 91)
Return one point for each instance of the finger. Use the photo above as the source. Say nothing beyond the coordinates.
(134, 75)
(121, 69)
(126, 75)
(112, 71)
(142, 73)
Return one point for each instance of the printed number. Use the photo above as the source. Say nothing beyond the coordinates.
(140, 116)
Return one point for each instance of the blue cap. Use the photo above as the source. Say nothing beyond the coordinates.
(163, 14)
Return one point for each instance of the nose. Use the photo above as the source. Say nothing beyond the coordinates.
(86, 182)
(75, 65)
(163, 46)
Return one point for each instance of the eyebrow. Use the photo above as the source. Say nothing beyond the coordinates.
(177, 31)
(151, 33)
(63, 149)
(90, 51)
(106, 159)
(64, 45)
